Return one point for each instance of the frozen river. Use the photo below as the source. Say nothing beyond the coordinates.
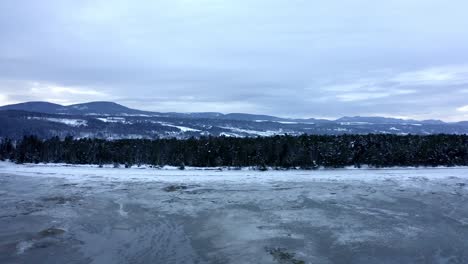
(57, 214)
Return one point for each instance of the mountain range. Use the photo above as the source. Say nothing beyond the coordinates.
(109, 120)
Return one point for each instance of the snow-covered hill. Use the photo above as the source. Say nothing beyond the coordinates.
(109, 120)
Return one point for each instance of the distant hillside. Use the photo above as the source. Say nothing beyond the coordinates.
(92, 108)
(385, 120)
(110, 120)
(40, 107)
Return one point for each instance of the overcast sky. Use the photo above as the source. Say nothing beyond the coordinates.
(296, 58)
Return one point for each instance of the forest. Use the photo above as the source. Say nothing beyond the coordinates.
(282, 152)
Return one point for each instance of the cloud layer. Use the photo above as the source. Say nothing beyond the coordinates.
(290, 58)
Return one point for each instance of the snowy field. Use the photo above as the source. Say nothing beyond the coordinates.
(85, 214)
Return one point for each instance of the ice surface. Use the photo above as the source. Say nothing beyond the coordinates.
(147, 215)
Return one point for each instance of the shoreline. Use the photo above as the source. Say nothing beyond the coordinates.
(222, 168)
(90, 173)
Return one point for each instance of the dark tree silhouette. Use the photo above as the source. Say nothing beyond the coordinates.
(306, 151)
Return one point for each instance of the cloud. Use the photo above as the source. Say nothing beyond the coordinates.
(4, 99)
(19, 91)
(436, 76)
(72, 91)
(424, 81)
(191, 104)
(41, 89)
(463, 109)
(289, 58)
(363, 96)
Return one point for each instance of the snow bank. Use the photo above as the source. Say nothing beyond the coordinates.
(172, 174)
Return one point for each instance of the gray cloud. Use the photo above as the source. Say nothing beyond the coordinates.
(291, 58)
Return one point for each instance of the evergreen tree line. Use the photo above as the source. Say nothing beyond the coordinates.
(306, 151)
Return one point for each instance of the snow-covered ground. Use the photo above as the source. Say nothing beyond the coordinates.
(267, 133)
(55, 213)
(243, 175)
(181, 128)
(67, 121)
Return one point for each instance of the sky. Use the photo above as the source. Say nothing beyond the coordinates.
(290, 58)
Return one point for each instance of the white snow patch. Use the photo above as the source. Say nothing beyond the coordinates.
(354, 123)
(187, 129)
(139, 115)
(226, 134)
(22, 246)
(66, 121)
(81, 108)
(255, 132)
(340, 129)
(121, 210)
(287, 122)
(113, 120)
(181, 128)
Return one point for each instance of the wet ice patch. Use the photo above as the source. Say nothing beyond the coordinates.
(240, 236)
(158, 242)
(43, 239)
(283, 256)
(61, 199)
(173, 188)
(49, 232)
